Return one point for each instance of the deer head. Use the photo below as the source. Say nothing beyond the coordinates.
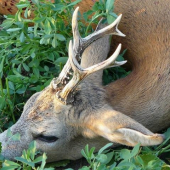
(73, 110)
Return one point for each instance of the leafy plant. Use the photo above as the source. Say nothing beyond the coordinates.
(27, 161)
(33, 51)
(135, 159)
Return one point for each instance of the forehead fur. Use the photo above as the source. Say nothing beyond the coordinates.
(43, 103)
(87, 97)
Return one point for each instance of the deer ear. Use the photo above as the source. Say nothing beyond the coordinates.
(119, 128)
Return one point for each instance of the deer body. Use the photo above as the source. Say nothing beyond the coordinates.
(145, 95)
(68, 114)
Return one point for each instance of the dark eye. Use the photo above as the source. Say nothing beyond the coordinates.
(48, 139)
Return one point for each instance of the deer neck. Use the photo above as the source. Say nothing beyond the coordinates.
(94, 54)
(144, 94)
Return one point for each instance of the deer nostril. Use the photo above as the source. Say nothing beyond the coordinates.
(48, 139)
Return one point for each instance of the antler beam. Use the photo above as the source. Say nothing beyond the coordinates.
(62, 84)
(79, 73)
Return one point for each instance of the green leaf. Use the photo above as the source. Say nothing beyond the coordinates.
(47, 27)
(16, 78)
(38, 20)
(62, 163)
(13, 29)
(91, 152)
(46, 68)
(32, 149)
(59, 7)
(109, 5)
(9, 133)
(38, 159)
(125, 154)
(54, 43)
(87, 150)
(11, 85)
(36, 72)
(10, 167)
(22, 37)
(10, 163)
(35, 2)
(2, 102)
(51, 56)
(102, 158)
(110, 18)
(146, 158)
(61, 60)
(24, 161)
(15, 137)
(2, 64)
(84, 154)
(109, 157)
(22, 5)
(21, 90)
(120, 57)
(167, 133)
(74, 3)
(135, 150)
(104, 148)
(7, 23)
(25, 67)
(60, 37)
(48, 36)
(34, 63)
(44, 157)
(83, 168)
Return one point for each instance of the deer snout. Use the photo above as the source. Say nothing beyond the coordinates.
(11, 147)
(8, 148)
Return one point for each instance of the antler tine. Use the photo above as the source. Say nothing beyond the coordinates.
(79, 73)
(59, 82)
(80, 44)
(111, 29)
(63, 78)
(110, 62)
(76, 35)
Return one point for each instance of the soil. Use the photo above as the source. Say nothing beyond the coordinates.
(75, 164)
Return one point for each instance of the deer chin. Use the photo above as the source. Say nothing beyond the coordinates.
(12, 149)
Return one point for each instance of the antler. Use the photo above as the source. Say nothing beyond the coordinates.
(72, 67)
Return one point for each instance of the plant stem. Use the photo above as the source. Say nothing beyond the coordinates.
(1, 88)
(9, 99)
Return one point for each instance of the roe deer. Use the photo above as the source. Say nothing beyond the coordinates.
(73, 110)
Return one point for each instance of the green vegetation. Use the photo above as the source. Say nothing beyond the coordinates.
(138, 158)
(33, 51)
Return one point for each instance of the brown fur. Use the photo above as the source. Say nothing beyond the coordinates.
(144, 95)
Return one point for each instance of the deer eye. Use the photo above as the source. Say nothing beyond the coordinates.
(48, 139)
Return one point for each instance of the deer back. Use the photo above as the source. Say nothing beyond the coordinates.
(144, 94)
